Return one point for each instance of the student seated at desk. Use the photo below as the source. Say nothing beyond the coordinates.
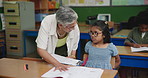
(99, 50)
(138, 37)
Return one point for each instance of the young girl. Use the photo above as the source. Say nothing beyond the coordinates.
(99, 50)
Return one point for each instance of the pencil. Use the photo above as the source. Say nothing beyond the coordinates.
(132, 40)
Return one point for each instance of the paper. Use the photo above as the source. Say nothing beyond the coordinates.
(139, 49)
(75, 72)
(66, 60)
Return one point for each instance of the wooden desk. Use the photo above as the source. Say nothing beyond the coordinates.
(132, 59)
(83, 35)
(119, 38)
(121, 34)
(14, 68)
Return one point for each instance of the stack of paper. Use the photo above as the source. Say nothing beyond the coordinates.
(75, 72)
(139, 49)
(66, 60)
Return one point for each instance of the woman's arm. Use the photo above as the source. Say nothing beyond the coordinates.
(49, 59)
(73, 54)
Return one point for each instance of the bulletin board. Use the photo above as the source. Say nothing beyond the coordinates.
(104, 2)
(86, 2)
(129, 2)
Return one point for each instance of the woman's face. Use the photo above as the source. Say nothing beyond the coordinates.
(143, 28)
(69, 27)
(96, 35)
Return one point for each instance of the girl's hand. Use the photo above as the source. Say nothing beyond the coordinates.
(61, 67)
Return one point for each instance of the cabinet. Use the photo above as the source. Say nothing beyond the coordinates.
(19, 16)
(2, 44)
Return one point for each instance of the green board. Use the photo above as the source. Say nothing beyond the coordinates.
(118, 13)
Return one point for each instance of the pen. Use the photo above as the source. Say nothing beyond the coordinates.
(132, 40)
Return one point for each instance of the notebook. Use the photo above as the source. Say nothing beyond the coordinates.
(139, 49)
(74, 72)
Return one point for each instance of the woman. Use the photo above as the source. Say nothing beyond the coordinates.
(58, 34)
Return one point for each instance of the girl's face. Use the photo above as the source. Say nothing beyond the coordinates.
(96, 35)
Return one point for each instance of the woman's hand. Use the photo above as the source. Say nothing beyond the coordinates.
(61, 67)
(72, 56)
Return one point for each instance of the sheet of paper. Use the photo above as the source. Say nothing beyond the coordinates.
(66, 60)
(75, 72)
(139, 49)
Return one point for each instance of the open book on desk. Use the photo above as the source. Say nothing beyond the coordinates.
(74, 72)
(139, 49)
(66, 60)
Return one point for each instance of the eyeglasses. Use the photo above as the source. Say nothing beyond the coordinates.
(71, 26)
(94, 33)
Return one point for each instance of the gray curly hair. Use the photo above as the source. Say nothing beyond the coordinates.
(66, 15)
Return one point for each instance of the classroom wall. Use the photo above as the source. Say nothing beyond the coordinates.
(118, 13)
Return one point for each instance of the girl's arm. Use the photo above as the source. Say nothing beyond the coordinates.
(117, 61)
(85, 58)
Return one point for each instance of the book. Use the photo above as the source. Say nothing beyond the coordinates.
(139, 49)
(66, 60)
(74, 72)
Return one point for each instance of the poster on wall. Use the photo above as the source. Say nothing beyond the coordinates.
(129, 2)
(146, 2)
(86, 2)
(1, 3)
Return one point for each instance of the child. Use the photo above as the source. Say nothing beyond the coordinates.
(99, 50)
(138, 37)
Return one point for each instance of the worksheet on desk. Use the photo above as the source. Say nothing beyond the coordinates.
(75, 72)
(139, 49)
(66, 60)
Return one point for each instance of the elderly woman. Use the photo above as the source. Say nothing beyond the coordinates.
(58, 34)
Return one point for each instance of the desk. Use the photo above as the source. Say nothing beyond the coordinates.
(119, 37)
(14, 68)
(27, 33)
(83, 35)
(132, 59)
